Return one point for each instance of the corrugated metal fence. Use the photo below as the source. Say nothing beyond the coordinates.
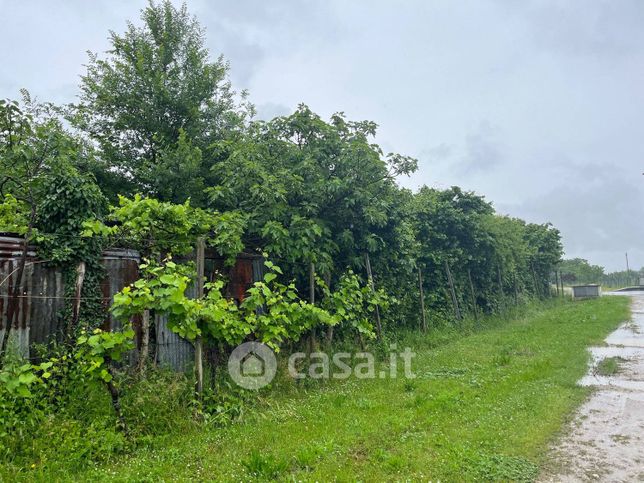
(176, 353)
(42, 298)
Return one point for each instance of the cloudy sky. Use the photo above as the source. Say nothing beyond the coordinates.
(538, 105)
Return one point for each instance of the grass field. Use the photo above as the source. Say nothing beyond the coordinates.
(483, 407)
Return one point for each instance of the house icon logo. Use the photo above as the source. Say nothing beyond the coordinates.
(252, 365)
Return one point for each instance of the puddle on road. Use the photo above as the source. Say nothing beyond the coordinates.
(604, 441)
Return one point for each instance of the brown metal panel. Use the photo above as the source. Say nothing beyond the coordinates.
(121, 269)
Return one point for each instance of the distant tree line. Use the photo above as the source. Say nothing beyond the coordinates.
(580, 271)
(623, 278)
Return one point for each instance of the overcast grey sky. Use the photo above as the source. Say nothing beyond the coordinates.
(536, 104)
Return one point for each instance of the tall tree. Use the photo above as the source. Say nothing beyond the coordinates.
(544, 241)
(156, 103)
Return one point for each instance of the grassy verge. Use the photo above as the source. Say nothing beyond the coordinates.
(482, 407)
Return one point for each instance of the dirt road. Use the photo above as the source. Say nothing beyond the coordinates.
(605, 441)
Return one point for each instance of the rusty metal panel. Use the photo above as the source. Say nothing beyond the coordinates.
(176, 353)
(258, 269)
(45, 292)
(42, 298)
(173, 352)
(121, 269)
(241, 276)
(11, 247)
(27, 321)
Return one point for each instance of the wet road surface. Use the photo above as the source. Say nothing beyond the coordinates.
(605, 441)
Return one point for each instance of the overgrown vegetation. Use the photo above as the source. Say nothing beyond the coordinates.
(484, 406)
(161, 155)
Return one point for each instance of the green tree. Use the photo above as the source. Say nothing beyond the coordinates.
(314, 191)
(155, 104)
(449, 226)
(578, 270)
(544, 242)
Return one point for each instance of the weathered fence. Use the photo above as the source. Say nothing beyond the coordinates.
(178, 354)
(42, 299)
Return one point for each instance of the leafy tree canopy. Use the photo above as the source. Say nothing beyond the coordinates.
(155, 103)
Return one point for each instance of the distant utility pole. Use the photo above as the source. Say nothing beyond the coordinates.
(628, 272)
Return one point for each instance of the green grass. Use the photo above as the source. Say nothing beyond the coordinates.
(609, 366)
(483, 407)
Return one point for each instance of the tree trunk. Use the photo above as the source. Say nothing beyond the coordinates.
(474, 306)
(312, 283)
(114, 394)
(501, 292)
(450, 281)
(330, 328)
(329, 335)
(537, 289)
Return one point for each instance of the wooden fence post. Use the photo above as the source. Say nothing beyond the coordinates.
(422, 301)
(474, 306)
(557, 283)
(373, 289)
(457, 311)
(201, 260)
(80, 278)
(537, 289)
(145, 340)
(312, 283)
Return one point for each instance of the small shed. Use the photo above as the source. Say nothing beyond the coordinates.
(586, 291)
